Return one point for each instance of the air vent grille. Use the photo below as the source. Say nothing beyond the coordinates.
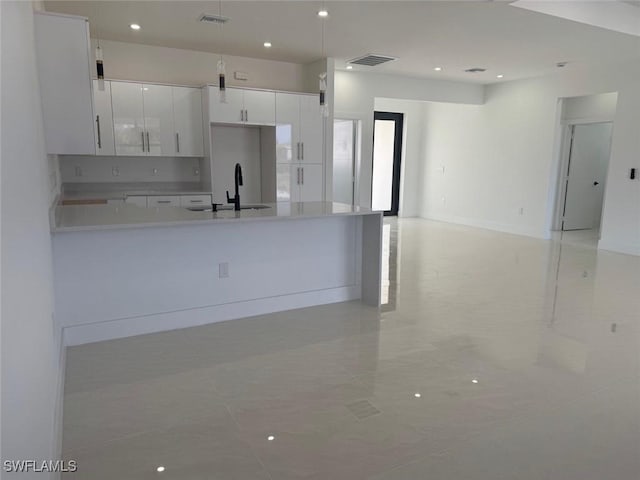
(371, 60)
(475, 70)
(219, 19)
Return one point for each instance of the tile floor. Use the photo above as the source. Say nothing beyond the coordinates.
(495, 357)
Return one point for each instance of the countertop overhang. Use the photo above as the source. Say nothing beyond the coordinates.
(74, 218)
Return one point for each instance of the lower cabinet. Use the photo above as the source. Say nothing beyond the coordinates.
(169, 200)
(299, 182)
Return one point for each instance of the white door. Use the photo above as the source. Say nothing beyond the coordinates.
(259, 107)
(311, 183)
(128, 118)
(311, 129)
(344, 134)
(587, 171)
(287, 127)
(187, 120)
(104, 120)
(230, 112)
(158, 120)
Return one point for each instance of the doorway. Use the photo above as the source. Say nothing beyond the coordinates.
(586, 172)
(344, 160)
(387, 155)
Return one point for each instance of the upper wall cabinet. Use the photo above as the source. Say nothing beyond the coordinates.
(299, 128)
(187, 120)
(104, 120)
(156, 120)
(252, 107)
(64, 59)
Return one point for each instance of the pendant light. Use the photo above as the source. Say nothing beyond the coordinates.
(222, 68)
(324, 108)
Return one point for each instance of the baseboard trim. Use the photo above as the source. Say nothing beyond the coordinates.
(487, 225)
(619, 248)
(160, 322)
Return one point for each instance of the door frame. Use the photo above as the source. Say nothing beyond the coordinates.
(398, 118)
(563, 171)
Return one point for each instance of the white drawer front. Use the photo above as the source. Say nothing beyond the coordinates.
(195, 200)
(139, 200)
(163, 201)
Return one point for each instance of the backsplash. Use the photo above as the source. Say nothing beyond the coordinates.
(100, 169)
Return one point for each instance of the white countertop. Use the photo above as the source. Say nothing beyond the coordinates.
(73, 218)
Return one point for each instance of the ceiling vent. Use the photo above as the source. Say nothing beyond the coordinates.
(475, 70)
(371, 60)
(219, 19)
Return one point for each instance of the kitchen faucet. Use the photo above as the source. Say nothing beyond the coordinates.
(238, 180)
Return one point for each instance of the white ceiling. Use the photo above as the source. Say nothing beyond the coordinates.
(454, 35)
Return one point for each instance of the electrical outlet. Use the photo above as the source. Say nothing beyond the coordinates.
(223, 270)
(78, 171)
(155, 171)
(521, 211)
(115, 172)
(196, 171)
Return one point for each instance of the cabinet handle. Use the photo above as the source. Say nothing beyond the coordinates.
(242, 115)
(148, 144)
(302, 175)
(302, 143)
(298, 180)
(177, 142)
(163, 201)
(195, 201)
(142, 135)
(98, 126)
(246, 115)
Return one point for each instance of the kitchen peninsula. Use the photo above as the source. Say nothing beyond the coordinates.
(123, 270)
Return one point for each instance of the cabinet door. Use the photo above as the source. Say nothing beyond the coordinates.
(229, 112)
(187, 120)
(286, 184)
(260, 107)
(158, 120)
(128, 118)
(311, 129)
(63, 61)
(163, 201)
(311, 183)
(288, 148)
(138, 200)
(104, 120)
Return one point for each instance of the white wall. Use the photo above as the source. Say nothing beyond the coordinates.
(30, 343)
(504, 155)
(590, 108)
(132, 61)
(355, 94)
(99, 169)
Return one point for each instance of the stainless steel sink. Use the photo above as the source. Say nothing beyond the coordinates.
(221, 208)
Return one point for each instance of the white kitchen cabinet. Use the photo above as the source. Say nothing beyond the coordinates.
(128, 118)
(105, 144)
(63, 64)
(251, 107)
(138, 200)
(187, 120)
(299, 128)
(299, 183)
(158, 120)
(163, 201)
(195, 200)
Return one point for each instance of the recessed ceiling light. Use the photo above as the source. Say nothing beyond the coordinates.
(349, 67)
(160, 469)
(417, 395)
(323, 13)
(475, 380)
(134, 26)
(438, 69)
(271, 438)
(499, 76)
(267, 44)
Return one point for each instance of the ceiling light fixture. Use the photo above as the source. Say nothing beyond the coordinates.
(267, 44)
(499, 76)
(160, 469)
(475, 380)
(438, 69)
(134, 26)
(349, 67)
(323, 13)
(417, 395)
(271, 438)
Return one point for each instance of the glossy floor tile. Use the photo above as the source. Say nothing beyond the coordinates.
(494, 357)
